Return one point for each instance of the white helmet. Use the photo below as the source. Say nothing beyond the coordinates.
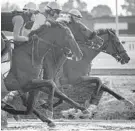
(30, 6)
(53, 5)
(76, 13)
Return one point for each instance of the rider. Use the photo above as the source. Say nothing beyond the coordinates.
(15, 22)
(83, 33)
(52, 11)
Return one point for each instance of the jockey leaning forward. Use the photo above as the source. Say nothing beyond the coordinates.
(81, 32)
(15, 21)
(21, 27)
(50, 13)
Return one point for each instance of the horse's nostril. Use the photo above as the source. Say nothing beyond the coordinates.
(128, 58)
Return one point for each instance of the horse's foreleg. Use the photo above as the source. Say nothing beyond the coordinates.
(108, 90)
(44, 86)
(117, 96)
(60, 101)
(49, 111)
(58, 93)
(89, 80)
(37, 113)
(31, 101)
(48, 86)
(62, 96)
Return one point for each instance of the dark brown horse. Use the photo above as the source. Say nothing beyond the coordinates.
(76, 73)
(27, 61)
(56, 64)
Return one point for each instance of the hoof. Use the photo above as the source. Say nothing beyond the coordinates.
(16, 117)
(51, 124)
(49, 114)
(128, 103)
(92, 108)
(86, 115)
(85, 112)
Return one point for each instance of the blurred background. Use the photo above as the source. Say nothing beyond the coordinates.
(116, 14)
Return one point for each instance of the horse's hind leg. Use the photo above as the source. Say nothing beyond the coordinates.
(8, 99)
(48, 86)
(10, 109)
(49, 111)
(30, 104)
(44, 86)
(31, 101)
(37, 113)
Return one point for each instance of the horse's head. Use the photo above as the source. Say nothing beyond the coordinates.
(95, 41)
(60, 36)
(69, 42)
(114, 47)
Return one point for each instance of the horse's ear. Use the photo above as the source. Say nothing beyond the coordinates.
(109, 32)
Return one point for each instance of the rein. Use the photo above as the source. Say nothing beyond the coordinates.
(114, 45)
(35, 43)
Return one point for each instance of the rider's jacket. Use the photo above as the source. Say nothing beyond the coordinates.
(79, 30)
(7, 17)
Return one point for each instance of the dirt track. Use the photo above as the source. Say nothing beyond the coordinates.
(73, 125)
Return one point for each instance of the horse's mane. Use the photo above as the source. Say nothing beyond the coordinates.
(104, 31)
(44, 27)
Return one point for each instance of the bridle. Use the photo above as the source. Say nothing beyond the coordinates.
(103, 48)
(115, 45)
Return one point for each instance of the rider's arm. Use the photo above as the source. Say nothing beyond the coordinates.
(18, 25)
(39, 20)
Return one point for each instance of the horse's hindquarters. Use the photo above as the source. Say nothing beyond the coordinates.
(11, 83)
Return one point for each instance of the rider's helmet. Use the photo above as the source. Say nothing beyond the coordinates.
(29, 10)
(76, 13)
(52, 8)
(30, 6)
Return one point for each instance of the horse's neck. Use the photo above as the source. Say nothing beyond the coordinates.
(89, 54)
(92, 53)
(52, 63)
(28, 51)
